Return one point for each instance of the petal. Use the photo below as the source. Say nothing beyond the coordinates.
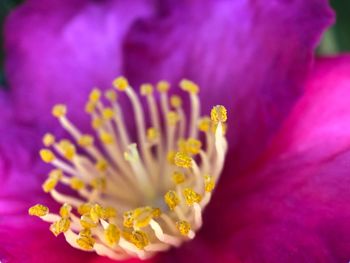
(295, 205)
(251, 56)
(56, 53)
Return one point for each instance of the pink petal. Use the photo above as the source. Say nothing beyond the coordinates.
(251, 56)
(294, 206)
(56, 52)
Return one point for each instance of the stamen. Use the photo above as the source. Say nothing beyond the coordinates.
(133, 198)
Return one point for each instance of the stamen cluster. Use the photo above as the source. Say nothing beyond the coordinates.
(133, 199)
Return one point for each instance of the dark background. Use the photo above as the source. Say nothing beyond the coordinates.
(335, 40)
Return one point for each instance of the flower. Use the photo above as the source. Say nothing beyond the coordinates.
(283, 196)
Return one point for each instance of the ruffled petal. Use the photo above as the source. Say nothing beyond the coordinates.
(294, 206)
(57, 51)
(251, 56)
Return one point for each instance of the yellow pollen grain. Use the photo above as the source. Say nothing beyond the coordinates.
(90, 107)
(191, 196)
(178, 177)
(85, 140)
(101, 165)
(85, 240)
(48, 139)
(111, 95)
(209, 183)
(95, 95)
(56, 174)
(184, 227)
(108, 113)
(171, 199)
(112, 234)
(49, 184)
(96, 123)
(146, 89)
(87, 222)
(128, 219)
(171, 157)
(183, 160)
(139, 239)
(76, 184)
(60, 226)
(68, 149)
(175, 101)
(106, 138)
(59, 110)
(121, 83)
(47, 156)
(189, 86)
(172, 118)
(84, 209)
(38, 210)
(191, 146)
(143, 216)
(99, 183)
(218, 114)
(65, 210)
(204, 124)
(163, 86)
(152, 134)
(156, 212)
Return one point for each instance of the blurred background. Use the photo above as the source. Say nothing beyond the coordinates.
(335, 40)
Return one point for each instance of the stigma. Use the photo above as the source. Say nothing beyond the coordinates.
(130, 193)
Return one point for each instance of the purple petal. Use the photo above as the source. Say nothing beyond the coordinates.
(295, 205)
(251, 56)
(56, 52)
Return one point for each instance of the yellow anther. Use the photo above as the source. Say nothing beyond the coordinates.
(176, 101)
(128, 219)
(184, 227)
(152, 134)
(106, 138)
(189, 86)
(191, 146)
(59, 110)
(48, 139)
(171, 199)
(111, 95)
(90, 107)
(87, 222)
(139, 239)
(108, 113)
(65, 210)
(142, 216)
(38, 210)
(178, 178)
(191, 196)
(218, 114)
(85, 240)
(99, 183)
(96, 123)
(163, 86)
(183, 160)
(121, 83)
(171, 157)
(95, 95)
(172, 118)
(96, 213)
(146, 89)
(85, 140)
(209, 183)
(49, 184)
(156, 212)
(112, 235)
(101, 165)
(84, 209)
(109, 212)
(204, 124)
(60, 226)
(47, 156)
(68, 149)
(76, 184)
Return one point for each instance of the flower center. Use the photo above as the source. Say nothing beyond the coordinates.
(133, 199)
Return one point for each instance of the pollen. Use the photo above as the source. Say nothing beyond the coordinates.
(138, 183)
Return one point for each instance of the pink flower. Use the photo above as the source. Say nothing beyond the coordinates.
(283, 195)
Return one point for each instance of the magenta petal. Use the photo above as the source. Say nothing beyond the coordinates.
(295, 205)
(251, 56)
(58, 51)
